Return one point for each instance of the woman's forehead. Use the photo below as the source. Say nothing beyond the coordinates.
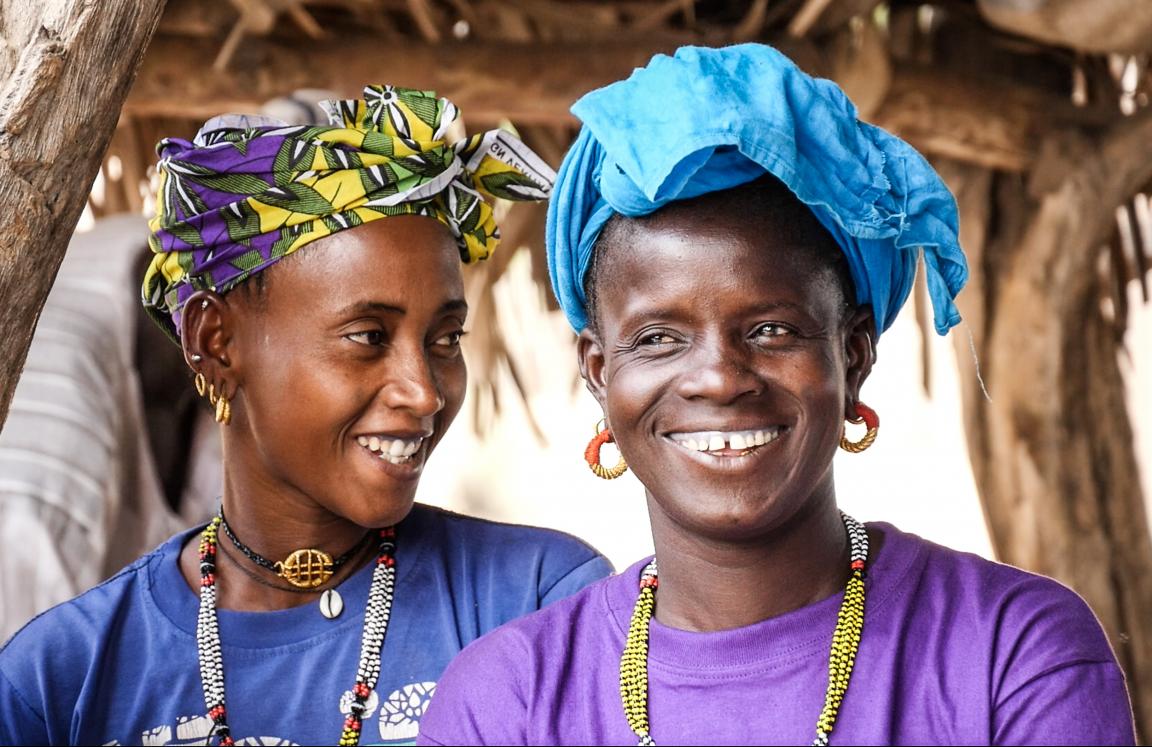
(690, 259)
(749, 223)
(405, 257)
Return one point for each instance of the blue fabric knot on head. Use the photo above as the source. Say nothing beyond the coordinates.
(706, 120)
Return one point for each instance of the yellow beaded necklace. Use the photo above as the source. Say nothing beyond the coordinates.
(845, 644)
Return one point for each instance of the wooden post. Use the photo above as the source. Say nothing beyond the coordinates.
(1051, 448)
(61, 96)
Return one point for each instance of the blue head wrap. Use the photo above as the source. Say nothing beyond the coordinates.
(711, 119)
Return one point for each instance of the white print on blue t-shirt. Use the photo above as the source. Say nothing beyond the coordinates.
(399, 721)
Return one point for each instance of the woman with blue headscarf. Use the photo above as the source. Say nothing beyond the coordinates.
(729, 241)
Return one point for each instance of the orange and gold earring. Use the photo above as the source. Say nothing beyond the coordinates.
(868, 416)
(592, 454)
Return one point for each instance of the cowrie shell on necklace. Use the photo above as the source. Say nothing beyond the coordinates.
(331, 604)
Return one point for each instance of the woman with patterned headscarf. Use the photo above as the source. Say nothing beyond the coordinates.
(311, 275)
(729, 241)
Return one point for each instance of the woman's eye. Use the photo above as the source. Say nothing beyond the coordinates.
(374, 337)
(450, 340)
(655, 338)
(771, 330)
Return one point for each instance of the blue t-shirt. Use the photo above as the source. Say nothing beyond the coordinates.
(118, 664)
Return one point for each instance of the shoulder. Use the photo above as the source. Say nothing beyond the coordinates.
(78, 627)
(1035, 643)
(488, 688)
(593, 616)
(76, 647)
(986, 587)
(553, 558)
(1025, 621)
(441, 520)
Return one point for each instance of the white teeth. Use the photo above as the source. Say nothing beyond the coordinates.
(395, 450)
(720, 440)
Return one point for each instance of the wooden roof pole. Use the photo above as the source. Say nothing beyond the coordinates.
(993, 124)
(1052, 448)
(60, 100)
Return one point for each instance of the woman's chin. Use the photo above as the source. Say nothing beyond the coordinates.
(379, 492)
(728, 504)
(377, 510)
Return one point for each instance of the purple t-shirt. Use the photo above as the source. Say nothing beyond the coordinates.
(956, 650)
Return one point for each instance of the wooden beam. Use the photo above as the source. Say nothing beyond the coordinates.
(807, 16)
(988, 122)
(59, 105)
(531, 84)
(992, 123)
(1099, 27)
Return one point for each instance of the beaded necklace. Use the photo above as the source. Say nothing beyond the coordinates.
(845, 643)
(372, 640)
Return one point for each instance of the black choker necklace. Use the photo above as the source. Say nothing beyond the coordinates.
(255, 576)
(306, 568)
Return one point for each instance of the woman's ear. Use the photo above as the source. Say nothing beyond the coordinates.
(590, 357)
(859, 354)
(206, 330)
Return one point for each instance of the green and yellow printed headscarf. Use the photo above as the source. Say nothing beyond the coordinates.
(248, 191)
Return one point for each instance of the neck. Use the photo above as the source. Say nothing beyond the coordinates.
(273, 523)
(709, 584)
(284, 523)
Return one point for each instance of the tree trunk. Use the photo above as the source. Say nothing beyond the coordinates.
(1052, 446)
(63, 85)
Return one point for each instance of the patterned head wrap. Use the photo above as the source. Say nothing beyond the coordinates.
(248, 191)
(711, 119)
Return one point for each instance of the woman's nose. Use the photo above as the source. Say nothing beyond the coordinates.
(412, 386)
(722, 371)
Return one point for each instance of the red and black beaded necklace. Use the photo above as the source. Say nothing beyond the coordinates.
(376, 616)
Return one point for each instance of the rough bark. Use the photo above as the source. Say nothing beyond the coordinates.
(1052, 447)
(59, 102)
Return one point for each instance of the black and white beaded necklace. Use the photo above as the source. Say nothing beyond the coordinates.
(376, 616)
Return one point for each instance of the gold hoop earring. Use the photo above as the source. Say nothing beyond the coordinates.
(868, 416)
(201, 383)
(592, 454)
(223, 410)
(212, 398)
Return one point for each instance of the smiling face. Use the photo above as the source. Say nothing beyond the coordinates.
(348, 368)
(725, 357)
